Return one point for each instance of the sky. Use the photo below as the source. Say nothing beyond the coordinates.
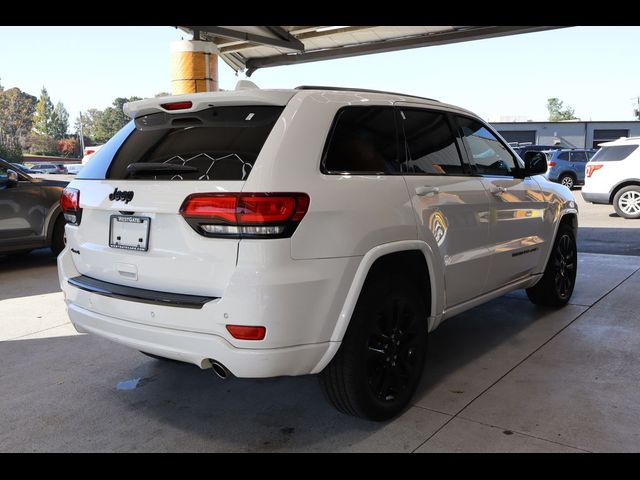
(595, 70)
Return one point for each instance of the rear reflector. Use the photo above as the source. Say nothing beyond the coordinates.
(242, 332)
(70, 205)
(176, 105)
(592, 168)
(261, 215)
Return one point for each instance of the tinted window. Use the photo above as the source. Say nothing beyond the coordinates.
(220, 143)
(563, 156)
(613, 154)
(431, 144)
(363, 140)
(489, 155)
(590, 154)
(578, 157)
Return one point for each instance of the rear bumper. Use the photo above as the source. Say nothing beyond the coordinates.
(298, 301)
(199, 348)
(596, 197)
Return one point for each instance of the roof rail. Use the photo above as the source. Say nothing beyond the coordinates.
(346, 89)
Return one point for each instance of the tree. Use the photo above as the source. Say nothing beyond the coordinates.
(42, 121)
(112, 120)
(162, 94)
(69, 147)
(59, 122)
(43, 144)
(556, 111)
(16, 116)
(90, 119)
(11, 154)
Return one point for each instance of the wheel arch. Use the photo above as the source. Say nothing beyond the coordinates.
(621, 185)
(50, 222)
(414, 255)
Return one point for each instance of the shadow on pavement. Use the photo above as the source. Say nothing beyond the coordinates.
(613, 241)
(66, 398)
(28, 274)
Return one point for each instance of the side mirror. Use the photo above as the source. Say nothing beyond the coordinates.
(10, 180)
(535, 163)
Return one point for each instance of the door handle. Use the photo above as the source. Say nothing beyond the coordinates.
(426, 190)
(497, 190)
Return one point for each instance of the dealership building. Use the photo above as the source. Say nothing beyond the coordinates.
(570, 134)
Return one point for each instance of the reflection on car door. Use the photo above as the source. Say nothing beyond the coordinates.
(21, 210)
(451, 206)
(517, 213)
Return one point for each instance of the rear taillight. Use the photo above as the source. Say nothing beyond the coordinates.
(245, 215)
(552, 163)
(592, 168)
(70, 204)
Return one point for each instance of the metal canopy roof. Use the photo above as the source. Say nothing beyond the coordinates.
(252, 47)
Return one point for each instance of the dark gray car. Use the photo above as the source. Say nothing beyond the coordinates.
(30, 215)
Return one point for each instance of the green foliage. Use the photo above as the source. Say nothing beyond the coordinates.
(112, 120)
(16, 113)
(44, 111)
(43, 144)
(557, 112)
(13, 154)
(59, 122)
(90, 118)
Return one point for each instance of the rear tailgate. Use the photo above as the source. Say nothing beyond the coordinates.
(178, 259)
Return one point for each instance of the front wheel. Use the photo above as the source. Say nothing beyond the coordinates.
(381, 359)
(627, 202)
(556, 285)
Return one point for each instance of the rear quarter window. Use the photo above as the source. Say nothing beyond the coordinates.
(614, 153)
(219, 143)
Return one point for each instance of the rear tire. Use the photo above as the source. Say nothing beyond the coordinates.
(567, 180)
(58, 239)
(556, 285)
(378, 367)
(627, 202)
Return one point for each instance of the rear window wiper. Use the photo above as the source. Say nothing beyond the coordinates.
(166, 168)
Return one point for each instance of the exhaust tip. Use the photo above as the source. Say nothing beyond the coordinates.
(220, 370)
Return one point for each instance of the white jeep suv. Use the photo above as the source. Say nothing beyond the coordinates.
(612, 176)
(314, 230)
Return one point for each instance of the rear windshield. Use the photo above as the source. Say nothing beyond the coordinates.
(613, 154)
(219, 143)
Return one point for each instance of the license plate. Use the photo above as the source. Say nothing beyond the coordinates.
(129, 233)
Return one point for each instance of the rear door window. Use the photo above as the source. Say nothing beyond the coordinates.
(578, 157)
(563, 156)
(431, 143)
(219, 143)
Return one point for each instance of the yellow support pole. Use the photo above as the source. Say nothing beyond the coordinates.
(194, 67)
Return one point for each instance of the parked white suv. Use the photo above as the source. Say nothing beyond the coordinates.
(314, 230)
(612, 176)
